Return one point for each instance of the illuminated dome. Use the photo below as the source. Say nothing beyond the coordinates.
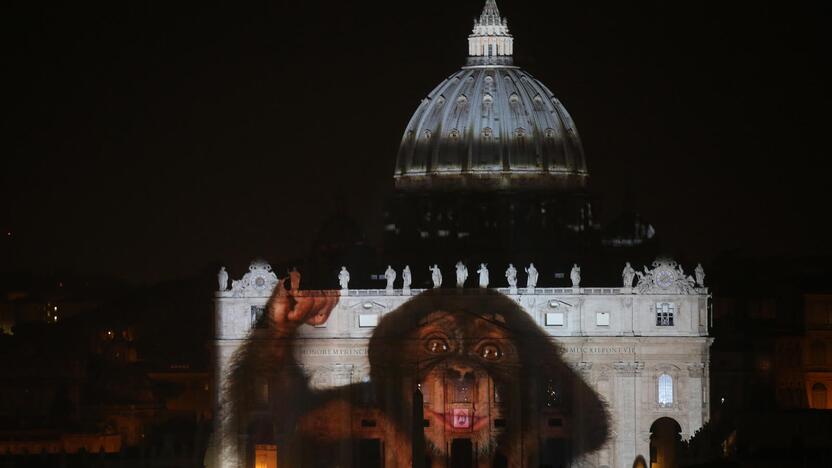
(490, 125)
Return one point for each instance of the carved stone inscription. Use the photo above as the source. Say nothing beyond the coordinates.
(601, 349)
(325, 352)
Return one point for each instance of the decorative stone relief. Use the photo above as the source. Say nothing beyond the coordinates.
(666, 277)
(696, 370)
(258, 282)
(628, 368)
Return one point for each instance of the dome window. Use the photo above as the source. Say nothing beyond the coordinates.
(440, 100)
(487, 99)
(489, 79)
(520, 132)
(454, 134)
(462, 100)
(514, 99)
(538, 102)
(550, 133)
(487, 132)
(427, 134)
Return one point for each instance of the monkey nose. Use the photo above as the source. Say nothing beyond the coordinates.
(460, 372)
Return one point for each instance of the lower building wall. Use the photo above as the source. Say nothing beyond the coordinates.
(623, 369)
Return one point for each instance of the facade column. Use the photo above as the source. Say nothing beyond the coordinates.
(627, 423)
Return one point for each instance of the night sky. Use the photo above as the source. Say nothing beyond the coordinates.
(152, 140)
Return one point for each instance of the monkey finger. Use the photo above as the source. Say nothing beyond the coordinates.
(278, 308)
(324, 306)
(303, 304)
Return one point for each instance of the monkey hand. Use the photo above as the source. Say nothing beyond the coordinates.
(289, 309)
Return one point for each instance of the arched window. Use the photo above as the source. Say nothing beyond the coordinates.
(665, 390)
(819, 396)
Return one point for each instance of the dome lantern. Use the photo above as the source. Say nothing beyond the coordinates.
(490, 39)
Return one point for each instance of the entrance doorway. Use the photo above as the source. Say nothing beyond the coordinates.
(462, 454)
(665, 440)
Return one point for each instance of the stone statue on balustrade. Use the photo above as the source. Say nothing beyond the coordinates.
(511, 276)
(461, 274)
(483, 271)
(628, 275)
(575, 276)
(390, 276)
(407, 279)
(344, 279)
(531, 280)
(222, 279)
(699, 272)
(436, 275)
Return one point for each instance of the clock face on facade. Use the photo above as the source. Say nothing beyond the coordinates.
(260, 282)
(664, 278)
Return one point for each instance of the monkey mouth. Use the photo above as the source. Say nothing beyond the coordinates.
(460, 420)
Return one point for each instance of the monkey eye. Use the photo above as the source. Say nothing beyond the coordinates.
(490, 352)
(437, 345)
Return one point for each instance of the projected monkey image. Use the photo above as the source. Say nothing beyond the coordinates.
(454, 380)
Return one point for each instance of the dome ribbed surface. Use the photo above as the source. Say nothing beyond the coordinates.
(491, 127)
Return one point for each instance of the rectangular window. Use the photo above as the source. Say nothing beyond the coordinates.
(367, 320)
(257, 319)
(554, 319)
(665, 312)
